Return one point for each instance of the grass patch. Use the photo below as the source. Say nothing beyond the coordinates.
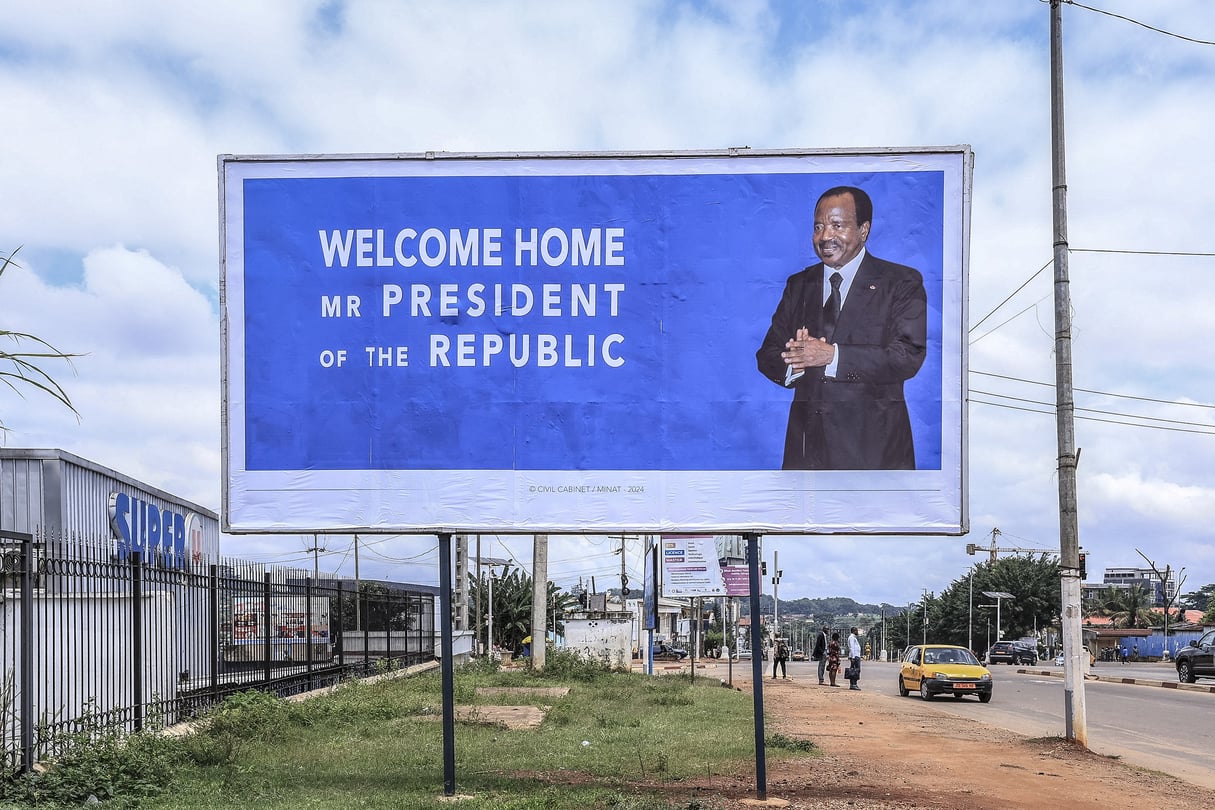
(787, 743)
(616, 740)
(96, 765)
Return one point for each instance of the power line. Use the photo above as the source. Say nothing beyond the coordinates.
(1095, 419)
(1034, 305)
(1098, 410)
(1098, 393)
(389, 558)
(1143, 252)
(1006, 300)
(1136, 22)
(1038, 272)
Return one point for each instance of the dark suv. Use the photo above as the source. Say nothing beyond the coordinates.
(1012, 652)
(1197, 660)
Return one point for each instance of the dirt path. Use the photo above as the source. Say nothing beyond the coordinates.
(886, 752)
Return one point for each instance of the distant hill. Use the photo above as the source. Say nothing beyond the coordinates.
(818, 608)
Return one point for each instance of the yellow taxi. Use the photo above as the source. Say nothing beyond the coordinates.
(943, 669)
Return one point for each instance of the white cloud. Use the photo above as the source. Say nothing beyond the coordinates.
(145, 382)
(1168, 506)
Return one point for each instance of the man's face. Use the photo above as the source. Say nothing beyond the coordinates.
(837, 237)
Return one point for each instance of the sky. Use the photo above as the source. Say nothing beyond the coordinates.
(115, 113)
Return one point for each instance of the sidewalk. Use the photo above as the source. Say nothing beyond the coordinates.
(883, 751)
(1108, 678)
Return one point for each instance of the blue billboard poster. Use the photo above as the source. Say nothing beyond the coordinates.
(718, 342)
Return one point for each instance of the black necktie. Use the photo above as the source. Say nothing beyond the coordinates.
(831, 309)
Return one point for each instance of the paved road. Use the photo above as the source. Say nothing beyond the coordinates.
(1165, 729)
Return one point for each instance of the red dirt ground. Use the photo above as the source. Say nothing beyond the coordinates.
(885, 752)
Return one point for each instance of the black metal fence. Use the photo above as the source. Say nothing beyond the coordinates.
(92, 638)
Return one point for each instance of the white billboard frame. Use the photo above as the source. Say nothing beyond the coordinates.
(315, 498)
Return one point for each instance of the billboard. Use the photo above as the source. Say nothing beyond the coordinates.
(690, 567)
(595, 342)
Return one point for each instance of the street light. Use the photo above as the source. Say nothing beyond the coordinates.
(492, 562)
(775, 595)
(997, 595)
(924, 602)
(970, 611)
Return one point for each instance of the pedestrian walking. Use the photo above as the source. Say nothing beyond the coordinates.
(779, 657)
(854, 660)
(833, 657)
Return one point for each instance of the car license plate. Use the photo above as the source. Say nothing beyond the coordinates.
(963, 686)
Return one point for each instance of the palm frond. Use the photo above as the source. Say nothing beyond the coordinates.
(24, 365)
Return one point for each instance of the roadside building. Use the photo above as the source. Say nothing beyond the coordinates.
(66, 501)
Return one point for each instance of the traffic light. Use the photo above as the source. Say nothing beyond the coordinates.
(763, 568)
(1083, 566)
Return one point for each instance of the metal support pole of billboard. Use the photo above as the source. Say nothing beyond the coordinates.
(698, 635)
(655, 572)
(447, 668)
(1076, 723)
(358, 618)
(25, 666)
(477, 620)
(731, 641)
(757, 669)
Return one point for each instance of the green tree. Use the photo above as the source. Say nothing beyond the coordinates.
(1128, 607)
(1201, 599)
(512, 614)
(953, 616)
(20, 367)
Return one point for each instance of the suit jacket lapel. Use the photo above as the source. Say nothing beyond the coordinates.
(812, 299)
(860, 294)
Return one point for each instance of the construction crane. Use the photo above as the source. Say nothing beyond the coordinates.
(971, 548)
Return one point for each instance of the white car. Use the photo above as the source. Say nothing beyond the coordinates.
(1091, 660)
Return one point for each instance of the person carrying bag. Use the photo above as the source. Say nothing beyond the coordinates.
(853, 672)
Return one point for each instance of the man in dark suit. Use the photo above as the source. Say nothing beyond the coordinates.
(846, 335)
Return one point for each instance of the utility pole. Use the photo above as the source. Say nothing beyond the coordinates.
(492, 563)
(624, 576)
(477, 617)
(1075, 714)
(316, 565)
(775, 595)
(539, 600)
(460, 588)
